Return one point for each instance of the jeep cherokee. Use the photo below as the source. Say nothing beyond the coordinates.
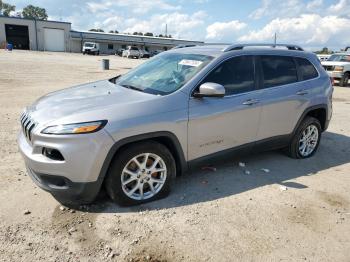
(134, 133)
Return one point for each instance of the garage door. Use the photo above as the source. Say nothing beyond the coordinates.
(54, 39)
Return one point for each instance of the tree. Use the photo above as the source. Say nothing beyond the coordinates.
(5, 8)
(113, 32)
(148, 34)
(34, 12)
(96, 30)
(160, 35)
(135, 33)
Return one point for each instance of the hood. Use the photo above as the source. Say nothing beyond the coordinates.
(334, 63)
(84, 99)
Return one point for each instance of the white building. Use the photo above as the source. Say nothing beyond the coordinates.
(43, 35)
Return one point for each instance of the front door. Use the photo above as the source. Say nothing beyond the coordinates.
(216, 124)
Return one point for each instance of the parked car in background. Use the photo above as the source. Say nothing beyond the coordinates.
(91, 48)
(323, 57)
(119, 52)
(338, 67)
(156, 52)
(134, 133)
(144, 53)
(132, 52)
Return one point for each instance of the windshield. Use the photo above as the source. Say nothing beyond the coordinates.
(339, 58)
(134, 48)
(165, 73)
(89, 45)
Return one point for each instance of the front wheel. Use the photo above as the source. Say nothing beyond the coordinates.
(306, 139)
(140, 173)
(344, 80)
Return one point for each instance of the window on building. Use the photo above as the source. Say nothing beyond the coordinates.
(110, 46)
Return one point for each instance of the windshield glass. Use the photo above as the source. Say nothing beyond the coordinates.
(165, 73)
(340, 58)
(89, 44)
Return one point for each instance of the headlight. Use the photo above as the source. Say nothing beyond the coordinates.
(77, 128)
(339, 68)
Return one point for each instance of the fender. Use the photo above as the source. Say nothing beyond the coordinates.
(308, 110)
(179, 157)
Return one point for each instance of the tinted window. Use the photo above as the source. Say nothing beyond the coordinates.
(278, 70)
(110, 46)
(307, 70)
(236, 75)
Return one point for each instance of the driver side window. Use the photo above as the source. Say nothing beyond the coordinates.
(235, 74)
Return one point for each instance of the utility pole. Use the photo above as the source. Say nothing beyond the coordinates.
(166, 30)
(275, 39)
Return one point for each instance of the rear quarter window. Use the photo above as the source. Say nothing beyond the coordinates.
(278, 70)
(306, 69)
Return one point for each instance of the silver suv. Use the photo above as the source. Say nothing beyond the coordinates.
(134, 133)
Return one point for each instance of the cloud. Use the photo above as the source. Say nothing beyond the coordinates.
(179, 24)
(220, 30)
(286, 8)
(306, 29)
(342, 8)
(135, 6)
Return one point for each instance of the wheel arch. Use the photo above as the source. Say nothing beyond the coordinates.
(168, 139)
(319, 112)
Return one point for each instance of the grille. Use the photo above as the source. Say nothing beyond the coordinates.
(28, 125)
(328, 68)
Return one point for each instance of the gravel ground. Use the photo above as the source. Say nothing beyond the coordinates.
(298, 211)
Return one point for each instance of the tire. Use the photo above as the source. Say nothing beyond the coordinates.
(294, 150)
(124, 162)
(344, 80)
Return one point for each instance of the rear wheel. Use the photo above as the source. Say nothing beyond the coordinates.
(344, 80)
(306, 139)
(140, 173)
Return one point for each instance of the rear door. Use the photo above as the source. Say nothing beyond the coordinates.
(216, 124)
(284, 95)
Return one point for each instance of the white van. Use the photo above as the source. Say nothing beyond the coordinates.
(91, 48)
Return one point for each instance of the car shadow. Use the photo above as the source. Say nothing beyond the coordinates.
(202, 185)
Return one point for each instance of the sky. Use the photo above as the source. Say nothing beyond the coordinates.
(313, 24)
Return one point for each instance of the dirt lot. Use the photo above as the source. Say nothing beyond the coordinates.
(225, 215)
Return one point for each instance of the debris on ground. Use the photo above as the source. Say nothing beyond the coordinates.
(265, 170)
(62, 208)
(241, 164)
(26, 212)
(72, 229)
(247, 172)
(204, 182)
(283, 188)
(209, 168)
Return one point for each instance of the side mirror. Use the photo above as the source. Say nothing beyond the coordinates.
(210, 90)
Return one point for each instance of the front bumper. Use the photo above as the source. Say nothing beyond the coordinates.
(77, 177)
(334, 74)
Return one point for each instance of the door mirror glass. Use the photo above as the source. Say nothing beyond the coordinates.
(210, 90)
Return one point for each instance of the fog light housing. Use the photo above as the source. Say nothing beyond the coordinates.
(53, 154)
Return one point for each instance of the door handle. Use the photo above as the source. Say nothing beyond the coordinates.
(302, 92)
(250, 102)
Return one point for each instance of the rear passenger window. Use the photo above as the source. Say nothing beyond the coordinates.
(278, 70)
(235, 74)
(307, 70)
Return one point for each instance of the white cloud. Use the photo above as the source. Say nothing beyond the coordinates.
(224, 30)
(307, 29)
(286, 8)
(314, 4)
(135, 6)
(340, 8)
(179, 24)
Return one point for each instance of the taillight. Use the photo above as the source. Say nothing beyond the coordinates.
(332, 81)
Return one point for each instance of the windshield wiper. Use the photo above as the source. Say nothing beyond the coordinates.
(132, 87)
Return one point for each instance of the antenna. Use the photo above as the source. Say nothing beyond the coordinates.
(166, 30)
(275, 38)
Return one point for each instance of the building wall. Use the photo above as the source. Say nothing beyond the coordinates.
(40, 25)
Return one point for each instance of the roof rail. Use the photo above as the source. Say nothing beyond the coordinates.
(241, 46)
